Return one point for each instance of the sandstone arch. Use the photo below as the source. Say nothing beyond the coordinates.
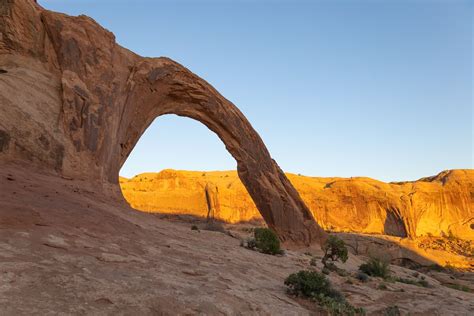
(183, 93)
(107, 96)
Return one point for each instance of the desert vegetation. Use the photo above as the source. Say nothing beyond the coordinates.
(392, 310)
(448, 242)
(335, 250)
(418, 282)
(264, 240)
(315, 286)
(376, 268)
(459, 287)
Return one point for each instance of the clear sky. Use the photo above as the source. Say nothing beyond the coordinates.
(335, 88)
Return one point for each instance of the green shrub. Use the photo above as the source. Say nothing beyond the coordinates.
(194, 227)
(307, 284)
(315, 286)
(266, 240)
(392, 311)
(363, 277)
(459, 287)
(376, 267)
(339, 307)
(335, 249)
(422, 283)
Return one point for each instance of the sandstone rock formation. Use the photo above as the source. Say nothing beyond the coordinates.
(441, 205)
(75, 102)
(69, 245)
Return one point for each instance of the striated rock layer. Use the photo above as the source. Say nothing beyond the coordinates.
(441, 205)
(75, 102)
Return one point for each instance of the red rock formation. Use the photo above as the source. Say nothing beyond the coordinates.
(75, 102)
(442, 205)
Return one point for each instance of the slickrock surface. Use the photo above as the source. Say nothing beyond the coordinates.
(74, 101)
(67, 249)
(441, 205)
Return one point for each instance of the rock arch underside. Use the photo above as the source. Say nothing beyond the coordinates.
(101, 99)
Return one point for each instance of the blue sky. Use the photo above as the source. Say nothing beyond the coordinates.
(335, 88)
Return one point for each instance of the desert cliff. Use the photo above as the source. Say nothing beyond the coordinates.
(440, 205)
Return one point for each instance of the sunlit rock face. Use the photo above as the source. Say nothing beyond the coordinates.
(75, 103)
(439, 206)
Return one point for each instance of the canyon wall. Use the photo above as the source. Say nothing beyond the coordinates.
(437, 206)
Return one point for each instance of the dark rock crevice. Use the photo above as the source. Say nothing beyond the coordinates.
(394, 224)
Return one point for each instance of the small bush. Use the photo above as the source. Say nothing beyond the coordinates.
(363, 277)
(313, 262)
(376, 267)
(392, 311)
(339, 307)
(267, 241)
(422, 283)
(335, 249)
(316, 286)
(307, 284)
(194, 227)
(459, 287)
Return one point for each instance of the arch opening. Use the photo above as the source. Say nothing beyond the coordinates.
(180, 168)
(161, 86)
(180, 143)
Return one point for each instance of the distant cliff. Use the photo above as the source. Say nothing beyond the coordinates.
(441, 205)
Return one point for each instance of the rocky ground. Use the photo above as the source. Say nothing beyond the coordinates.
(66, 249)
